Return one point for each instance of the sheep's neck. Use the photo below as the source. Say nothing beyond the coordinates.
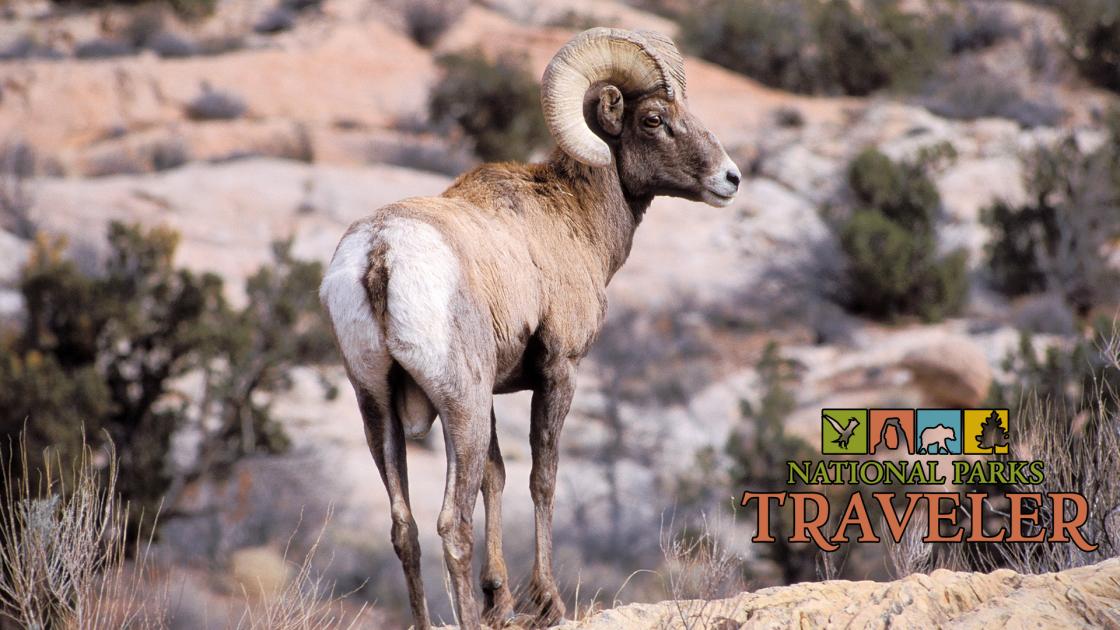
(610, 214)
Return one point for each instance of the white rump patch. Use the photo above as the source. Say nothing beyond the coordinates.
(423, 276)
(343, 294)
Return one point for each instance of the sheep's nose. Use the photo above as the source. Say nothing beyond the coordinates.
(733, 177)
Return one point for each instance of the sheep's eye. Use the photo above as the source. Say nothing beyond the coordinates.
(652, 122)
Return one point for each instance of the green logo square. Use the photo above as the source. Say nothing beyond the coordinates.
(844, 431)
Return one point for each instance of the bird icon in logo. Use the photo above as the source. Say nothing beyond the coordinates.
(845, 432)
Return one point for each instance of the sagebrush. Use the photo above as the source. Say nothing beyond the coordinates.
(811, 46)
(496, 103)
(1059, 240)
(892, 264)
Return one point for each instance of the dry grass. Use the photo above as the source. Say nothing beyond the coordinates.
(700, 567)
(305, 602)
(63, 549)
(910, 554)
(66, 560)
(1080, 456)
(1079, 452)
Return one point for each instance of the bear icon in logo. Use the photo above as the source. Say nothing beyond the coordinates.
(940, 432)
(933, 439)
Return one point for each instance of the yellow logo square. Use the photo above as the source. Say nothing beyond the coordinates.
(986, 431)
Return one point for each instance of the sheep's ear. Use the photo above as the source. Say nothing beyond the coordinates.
(610, 110)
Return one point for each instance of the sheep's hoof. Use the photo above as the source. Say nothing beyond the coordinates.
(549, 606)
(498, 611)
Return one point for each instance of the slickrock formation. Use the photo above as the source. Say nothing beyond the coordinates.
(1087, 597)
(952, 371)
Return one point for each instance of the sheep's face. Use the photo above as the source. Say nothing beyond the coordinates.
(662, 149)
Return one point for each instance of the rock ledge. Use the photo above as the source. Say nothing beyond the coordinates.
(1086, 597)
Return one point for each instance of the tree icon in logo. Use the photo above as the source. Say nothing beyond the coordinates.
(992, 434)
(986, 431)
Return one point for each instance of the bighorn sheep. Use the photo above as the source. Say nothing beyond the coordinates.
(499, 285)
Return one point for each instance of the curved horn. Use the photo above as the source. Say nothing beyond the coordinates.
(670, 56)
(633, 62)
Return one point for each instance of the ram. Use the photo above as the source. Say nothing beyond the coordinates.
(499, 285)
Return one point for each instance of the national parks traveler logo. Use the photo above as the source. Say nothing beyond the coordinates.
(915, 432)
(892, 449)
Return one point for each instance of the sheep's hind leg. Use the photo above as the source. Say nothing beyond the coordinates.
(466, 438)
(386, 442)
(498, 605)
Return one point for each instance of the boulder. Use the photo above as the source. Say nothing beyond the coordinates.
(952, 371)
(259, 570)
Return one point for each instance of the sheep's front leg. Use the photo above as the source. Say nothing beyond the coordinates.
(495, 578)
(550, 406)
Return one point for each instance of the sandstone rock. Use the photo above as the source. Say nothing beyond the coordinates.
(576, 12)
(11, 303)
(13, 255)
(169, 146)
(952, 371)
(260, 571)
(360, 71)
(970, 184)
(228, 213)
(899, 130)
(1086, 597)
(808, 174)
(778, 222)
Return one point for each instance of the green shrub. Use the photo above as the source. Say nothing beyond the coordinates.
(98, 354)
(211, 104)
(968, 90)
(1060, 239)
(1074, 378)
(189, 9)
(103, 48)
(979, 26)
(1017, 236)
(426, 20)
(763, 40)
(881, 255)
(275, 20)
(1093, 29)
(889, 244)
(171, 46)
(812, 46)
(881, 46)
(900, 192)
(495, 103)
(758, 449)
(279, 328)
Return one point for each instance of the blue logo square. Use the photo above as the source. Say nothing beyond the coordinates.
(939, 432)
